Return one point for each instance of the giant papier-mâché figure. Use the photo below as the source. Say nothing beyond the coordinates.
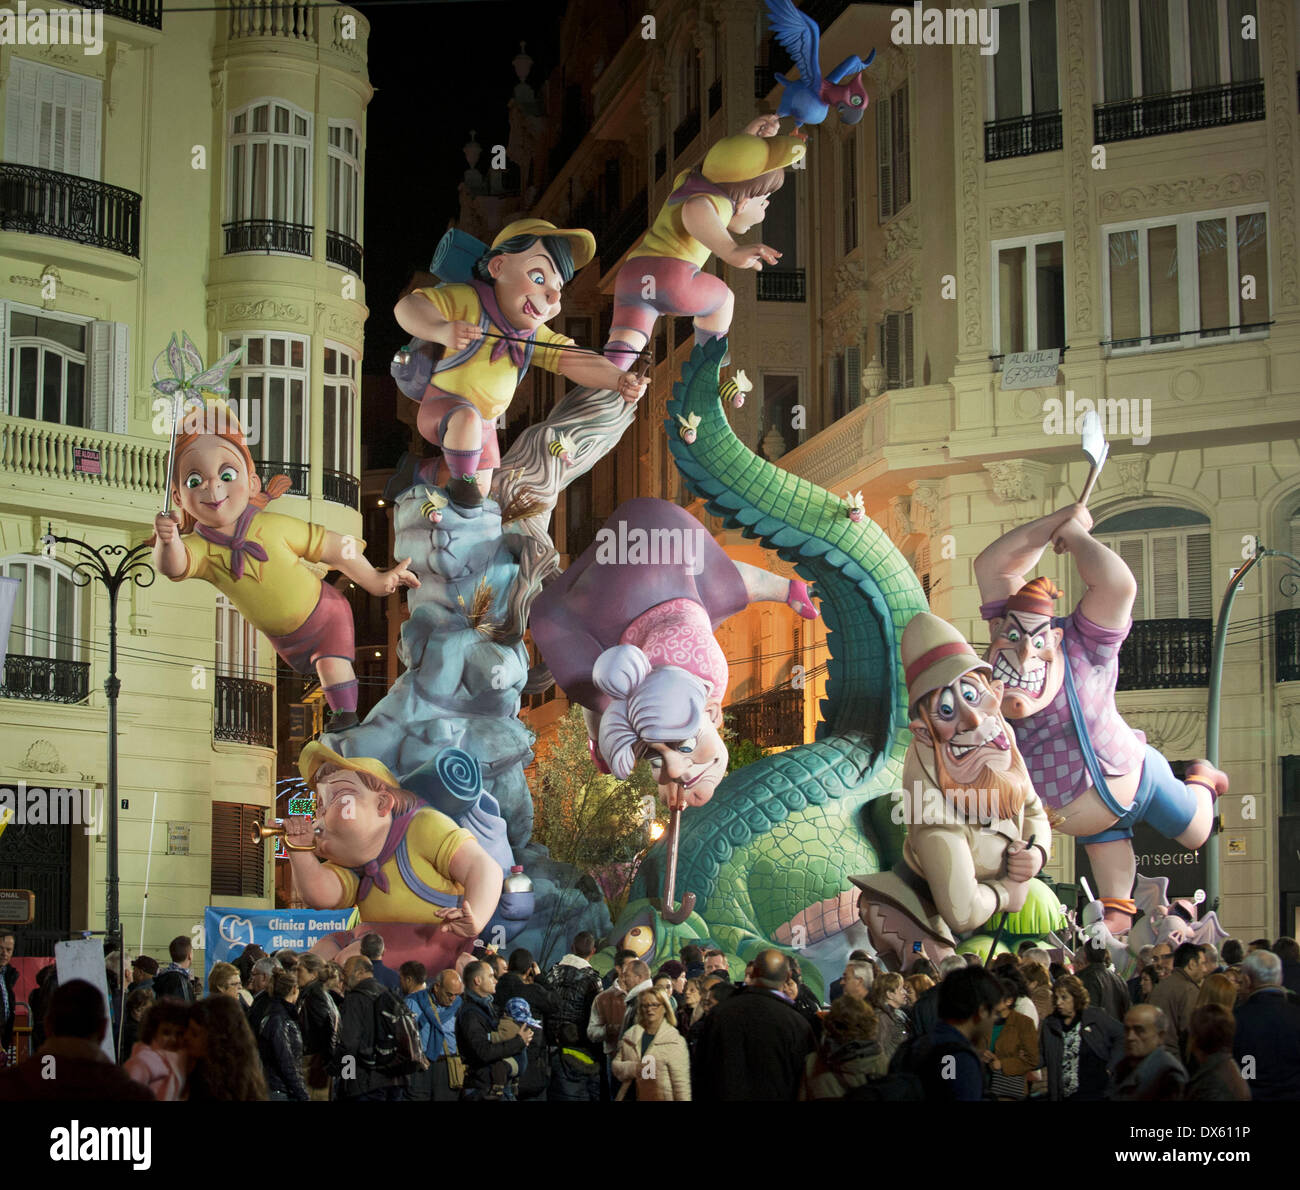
(726, 195)
(976, 830)
(809, 97)
(1096, 775)
(224, 535)
(492, 329)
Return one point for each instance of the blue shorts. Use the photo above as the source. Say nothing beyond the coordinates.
(1162, 800)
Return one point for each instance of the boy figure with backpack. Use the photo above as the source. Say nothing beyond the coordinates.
(379, 1042)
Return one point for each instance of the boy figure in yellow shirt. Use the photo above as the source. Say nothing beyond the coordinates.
(493, 328)
(727, 195)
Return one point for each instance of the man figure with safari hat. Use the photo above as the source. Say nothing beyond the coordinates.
(1096, 774)
(976, 831)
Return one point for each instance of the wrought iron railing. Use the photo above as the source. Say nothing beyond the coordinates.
(340, 487)
(1178, 111)
(343, 250)
(772, 720)
(267, 235)
(49, 203)
(1165, 655)
(1019, 136)
(715, 96)
(138, 12)
(623, 230)
(782, 285)
(1286, 644)
(298, 473)
(685, 132)
(241, 712)
(45, 679)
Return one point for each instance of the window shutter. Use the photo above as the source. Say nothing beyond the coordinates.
(1166, 579)
(91, 114)
(906, 370)
(238, 867)
(1132, 551)
(890, 351)
(1200, 587)
(21, 112)
(902, 141)
(852, 378)
(4, 359)
(884, 161)
(109, 376)
(837, 387)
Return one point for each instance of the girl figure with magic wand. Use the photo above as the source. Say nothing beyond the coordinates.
(224, 535)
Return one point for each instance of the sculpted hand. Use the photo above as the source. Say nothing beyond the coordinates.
(752, 256)
(166, 525)
(461, 334)
(299, 828)
(764, 126)
(388, 581)
(459, 921)
(1023, 862)
(631, 388)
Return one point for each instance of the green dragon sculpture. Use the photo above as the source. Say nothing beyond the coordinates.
(770, 856)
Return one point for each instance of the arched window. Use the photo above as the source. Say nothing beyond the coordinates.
(1168, 550)
(47, 611)
(270, 175)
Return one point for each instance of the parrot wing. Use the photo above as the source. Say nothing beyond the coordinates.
(799, 36)
(849, 67)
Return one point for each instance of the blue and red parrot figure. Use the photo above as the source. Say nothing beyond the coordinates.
(808, 98)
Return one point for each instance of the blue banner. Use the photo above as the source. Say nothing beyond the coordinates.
(228, 931)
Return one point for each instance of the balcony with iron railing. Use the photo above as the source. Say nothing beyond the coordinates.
(1021, 136)
(772, 720)
(139, 12)
(45, 679)
(340, 488)
(267, 235)
(1286, 644)
(49, 203)
(1178, 111)
(343, 251)
(242, 712)
(1165, 655)
(782, 285)
(299, 475)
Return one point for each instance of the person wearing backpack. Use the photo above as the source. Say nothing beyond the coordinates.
(947, 1061)
(358, 1065)
(174, 979)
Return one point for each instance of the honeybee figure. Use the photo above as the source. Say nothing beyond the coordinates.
(854, 506)
(690, 424)
(735, 388)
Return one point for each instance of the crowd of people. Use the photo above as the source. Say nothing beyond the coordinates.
(1194, 1023)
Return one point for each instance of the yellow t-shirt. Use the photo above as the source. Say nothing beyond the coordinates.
(488, 386)
(275, 596)
(668, 235)
(432, 840)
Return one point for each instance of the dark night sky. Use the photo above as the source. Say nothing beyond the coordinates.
(439, 68)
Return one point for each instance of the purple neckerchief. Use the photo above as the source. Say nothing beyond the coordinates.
(371, 876)
(237, 543)
(517, 340)
(695, 185)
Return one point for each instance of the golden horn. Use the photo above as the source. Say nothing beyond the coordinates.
(260, 833)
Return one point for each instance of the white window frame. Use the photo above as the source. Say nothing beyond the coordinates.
(340, 456)
(107, 360)
(1029, 244)
(236, 642)
(1180, 57)
(240, 209)
(61, 582)
(1146, 580)
(1026, 75)
(268, 371)
(348, 164)
(35, 95)
(1189, 294)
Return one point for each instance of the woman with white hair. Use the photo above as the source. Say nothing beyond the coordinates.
(627, 631)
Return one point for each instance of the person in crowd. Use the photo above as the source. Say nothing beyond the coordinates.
(76, 1024)
(917, 986)
(849, 1053)
(948, 1060)
(415, 991)
(693, 960)
(1288, 950)
(1149, 1071)
(575, 1072)
(248, 957)
(716, 990)
(223, 980)
(222, 1054)
(611, 977)
(715, 960)
(754, 1045)
(143, 970)
(288, 960)
(320, 1021)
(359, 1078)
(1211, 963)
(448, 989)
(1080, 1046)
(1162, 959)
(575, 984)
(804, 1000)
(157, 1059)
(637, 974)
(605, 1021)
(38, 999)
(692, 997)
(174, 979)
(1057, 971)
(523, 979)
(1143, 961)
(372, 947)
(837, 985)
(652, 1060)
(476, 1026)
(925, 1015)
(1259, 944)
(857, 980)
(138, 1002)
(1268, 1030)
(1105, 989)
(676, 972)
(1146, 980)
(1215, 1077)
(499, 964)
(1176, 995)
(888, 996)
(1014, 1050)
(332, 978)
(1009, 972)
(919, 966)
(259, 985)
(1232, 952)
(1039, 985)
(279, 1041)
(1217, 989)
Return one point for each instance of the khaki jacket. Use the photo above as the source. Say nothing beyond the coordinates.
(963, 862)
(663, 1072)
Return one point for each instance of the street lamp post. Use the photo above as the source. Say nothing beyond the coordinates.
(1288, 584)
(112, 566)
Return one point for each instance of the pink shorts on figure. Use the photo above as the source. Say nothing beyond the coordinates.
(436, 405)
(679, 288)
(328, 632)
